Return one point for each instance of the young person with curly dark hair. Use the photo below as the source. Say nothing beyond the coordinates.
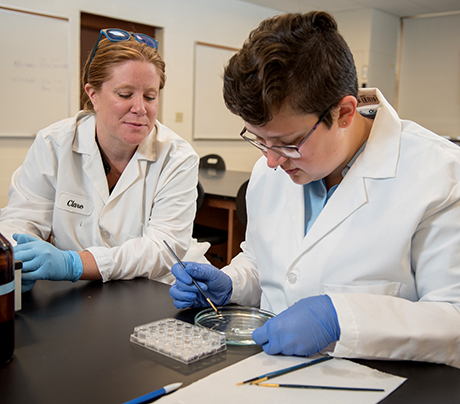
(354, 241)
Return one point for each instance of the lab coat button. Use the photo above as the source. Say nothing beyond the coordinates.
(105, 234)
(292, 278)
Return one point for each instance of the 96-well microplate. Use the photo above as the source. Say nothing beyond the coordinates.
(179, 340)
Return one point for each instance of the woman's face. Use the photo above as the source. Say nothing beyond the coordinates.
(326, 152)
(126, 106)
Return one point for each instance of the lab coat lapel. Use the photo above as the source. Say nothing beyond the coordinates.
(95, 171)
(85, 144)
(379, 160)
(136, 168)
(347, 199)
(296, 207)
(130, 175)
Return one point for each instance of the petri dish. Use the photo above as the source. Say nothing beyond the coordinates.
(235, 322)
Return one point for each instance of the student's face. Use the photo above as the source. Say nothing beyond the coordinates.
(323, 153)
(126, 106)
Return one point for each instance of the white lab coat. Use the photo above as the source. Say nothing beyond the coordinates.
(386, 247)
(61, 191)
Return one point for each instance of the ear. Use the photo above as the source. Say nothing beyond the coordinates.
(347, 109)
(93, 96)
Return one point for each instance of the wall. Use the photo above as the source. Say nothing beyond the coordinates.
(182, 23)
(427, 50)
(384, 53)
(373, 37)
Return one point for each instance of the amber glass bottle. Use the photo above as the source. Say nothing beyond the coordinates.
(6, 301)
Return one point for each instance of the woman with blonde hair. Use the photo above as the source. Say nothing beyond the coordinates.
(98, 193)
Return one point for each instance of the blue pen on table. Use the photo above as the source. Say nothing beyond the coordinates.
(193, 280)
(146, 398)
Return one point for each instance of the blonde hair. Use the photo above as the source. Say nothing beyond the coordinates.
(109, 54)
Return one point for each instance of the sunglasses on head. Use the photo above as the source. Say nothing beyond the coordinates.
(120, 35)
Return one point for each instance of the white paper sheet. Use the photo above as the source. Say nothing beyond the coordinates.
(220, 387)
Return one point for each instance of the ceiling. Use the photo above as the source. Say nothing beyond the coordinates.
(401, 8)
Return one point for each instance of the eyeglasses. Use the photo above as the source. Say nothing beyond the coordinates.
(289, 151)
(119, 35)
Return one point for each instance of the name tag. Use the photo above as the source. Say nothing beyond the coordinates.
(75, 203)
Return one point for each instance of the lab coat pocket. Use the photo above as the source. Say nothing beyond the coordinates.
(388, 289)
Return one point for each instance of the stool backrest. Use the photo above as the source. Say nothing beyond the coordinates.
(213, 161)
(241, 211)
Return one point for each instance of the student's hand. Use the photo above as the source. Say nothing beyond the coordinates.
(216, 284)
(303, 329)
(42, 260)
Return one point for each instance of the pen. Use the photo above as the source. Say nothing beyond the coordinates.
(193, 280)
(154, 394)
(262, 378)
(311, 386)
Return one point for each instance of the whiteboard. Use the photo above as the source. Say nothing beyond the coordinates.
(429, 89)
(211, 118)
(34, 66)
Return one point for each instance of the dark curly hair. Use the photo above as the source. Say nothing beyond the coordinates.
(300, 59)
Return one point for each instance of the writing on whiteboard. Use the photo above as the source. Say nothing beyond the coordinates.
(25, 73)
(35, 72)
(48, 81)
(43, 63)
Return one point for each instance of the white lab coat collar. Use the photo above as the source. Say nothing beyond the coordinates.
(85, 143)
(378, 160)
(86, 123)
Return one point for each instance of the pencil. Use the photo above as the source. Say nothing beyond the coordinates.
(193, 280)
(311, 386)
(262, 378)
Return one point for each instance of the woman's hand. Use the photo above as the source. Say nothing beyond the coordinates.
(42, 260)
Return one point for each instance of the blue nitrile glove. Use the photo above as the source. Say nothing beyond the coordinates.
(27, 285)
(42, 260)
(216, 284)
(303, 329)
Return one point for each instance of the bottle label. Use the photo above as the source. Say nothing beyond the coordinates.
(6, 288)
